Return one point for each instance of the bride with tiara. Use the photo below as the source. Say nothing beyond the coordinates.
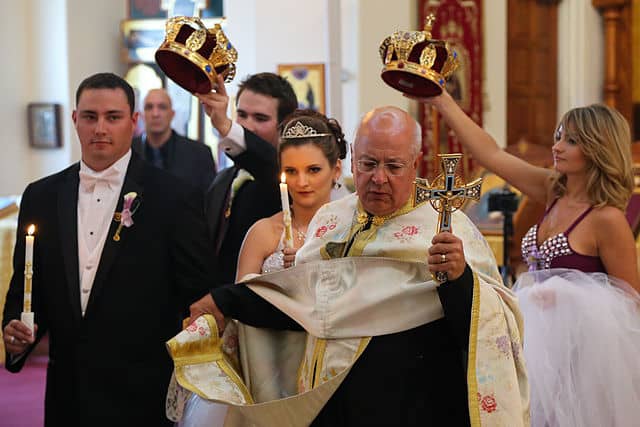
(310, 152)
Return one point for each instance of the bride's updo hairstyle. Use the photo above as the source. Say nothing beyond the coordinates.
(308, 126)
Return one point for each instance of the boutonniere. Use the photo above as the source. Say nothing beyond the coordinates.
(242, 177)
(125, 218)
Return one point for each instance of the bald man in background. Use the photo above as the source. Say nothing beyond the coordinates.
(189, 160)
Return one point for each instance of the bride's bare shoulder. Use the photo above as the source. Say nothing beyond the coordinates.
(268, 228)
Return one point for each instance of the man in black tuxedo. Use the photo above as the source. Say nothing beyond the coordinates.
(109, 289)
(248, 191)
(185, 158)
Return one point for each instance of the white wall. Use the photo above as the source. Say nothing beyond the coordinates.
(350, 70)
(377, 20)
(28, 76)
(14, 86)
(494, 97)
(342, 34)
(268, 33)
(580, 55)
(44, 60)
(50, 83)
(94, 45)
(240, 27)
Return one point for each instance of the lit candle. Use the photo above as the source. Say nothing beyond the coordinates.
(286, 211)
(27, 314)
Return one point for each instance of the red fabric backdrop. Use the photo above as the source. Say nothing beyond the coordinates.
(460, 23)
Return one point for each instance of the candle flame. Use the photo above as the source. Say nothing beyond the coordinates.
(31, 229)
(283, 178)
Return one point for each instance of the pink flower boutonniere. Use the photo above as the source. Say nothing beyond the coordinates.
(125, 218)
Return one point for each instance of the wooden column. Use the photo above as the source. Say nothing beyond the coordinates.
(532, 61)
(616, 35)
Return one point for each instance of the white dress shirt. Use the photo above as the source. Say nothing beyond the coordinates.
(96, 206)
(234, 144)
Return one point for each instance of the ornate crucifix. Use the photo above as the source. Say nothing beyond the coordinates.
(447, 193)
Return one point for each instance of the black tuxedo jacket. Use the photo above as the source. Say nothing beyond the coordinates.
(111, 367)
(187, 159)
(256, 199)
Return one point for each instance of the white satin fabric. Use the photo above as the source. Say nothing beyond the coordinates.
(384, 288)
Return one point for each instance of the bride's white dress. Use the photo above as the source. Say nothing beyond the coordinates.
(199, 412)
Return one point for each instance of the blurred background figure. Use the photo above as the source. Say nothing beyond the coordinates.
(162, 146)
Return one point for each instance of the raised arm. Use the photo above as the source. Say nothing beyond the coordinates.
(530, 180)
(215, 104)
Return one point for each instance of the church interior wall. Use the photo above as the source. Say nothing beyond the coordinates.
(494, 98)
(266, 33)
(16, 155)
(580, 55)
(59, 43)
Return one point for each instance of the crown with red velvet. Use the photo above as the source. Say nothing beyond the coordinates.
(193, 56)
(416, 64)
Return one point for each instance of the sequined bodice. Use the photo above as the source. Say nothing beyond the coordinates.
(275, 261)
(539, 258)
(555, 252)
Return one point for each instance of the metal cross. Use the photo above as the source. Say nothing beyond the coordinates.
(447, 193)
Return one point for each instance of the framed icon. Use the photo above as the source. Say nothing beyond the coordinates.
(44, 125)
(307, 81)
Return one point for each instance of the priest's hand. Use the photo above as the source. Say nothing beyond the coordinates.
(289, 259)
(18, 337)
(446, 254)
(215, 104)
(206, 305)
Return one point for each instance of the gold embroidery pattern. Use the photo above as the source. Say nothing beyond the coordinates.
(361, 238)
(472, 378)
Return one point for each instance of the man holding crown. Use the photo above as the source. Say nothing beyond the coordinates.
(247, 191)
(201, 60)
(387, 344)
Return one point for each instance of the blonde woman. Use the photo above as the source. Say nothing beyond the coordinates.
(580, 297)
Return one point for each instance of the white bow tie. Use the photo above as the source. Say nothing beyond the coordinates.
(88, 179)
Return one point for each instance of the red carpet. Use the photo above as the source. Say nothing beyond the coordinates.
(22, 394)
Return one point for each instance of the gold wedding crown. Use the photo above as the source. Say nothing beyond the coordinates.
(300, 130)
(193, 56)
(416, 64)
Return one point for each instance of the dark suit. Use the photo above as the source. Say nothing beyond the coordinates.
(256, 199)
(111, 367)
(187, 159)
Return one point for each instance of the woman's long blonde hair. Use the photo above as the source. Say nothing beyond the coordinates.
(603, 135)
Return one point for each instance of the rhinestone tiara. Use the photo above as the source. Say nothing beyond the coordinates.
(300, 130)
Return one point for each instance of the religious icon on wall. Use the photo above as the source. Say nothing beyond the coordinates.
(44, 125)
(307, 81)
